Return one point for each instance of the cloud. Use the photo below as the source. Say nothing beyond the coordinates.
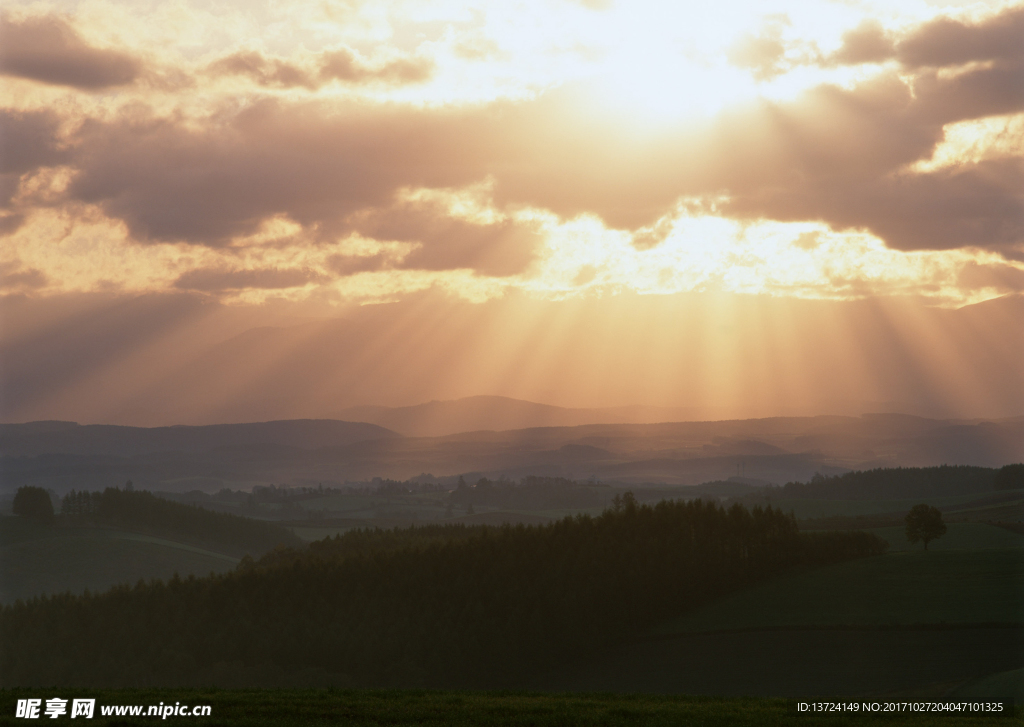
(343, 65)
(498, 248)
(841, 155)
(261, 69)
(768, 54)
(867, 43)
(46, 48)
(833, 154)
(29, 140)
(940, 43)
(849, 173)
(14, 277)
(345, 265)
(336, 65)
(332, 171)
(949, 42)
(216, 280)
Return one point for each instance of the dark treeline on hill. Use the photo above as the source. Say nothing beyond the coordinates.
(143, 511)
(532, 493)
(906, 482)
(441, 606)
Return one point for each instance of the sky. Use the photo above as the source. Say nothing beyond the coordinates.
(744, 208)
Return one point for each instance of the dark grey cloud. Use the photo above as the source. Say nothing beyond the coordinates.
(216, 280)
(337, 65)
(973, 94)
(834, 154)
(47, 49)
(11, 223)
(315, 163)
(28, 140)
(979, 205)
(342, 65)
(271, 72)
(500, 248)
(939, 43)
(948, 42)
(333, 171)
(847, 151)
(351, 264)
(16, 277)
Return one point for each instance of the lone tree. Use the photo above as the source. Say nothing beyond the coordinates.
(924, 523)
(33, 502)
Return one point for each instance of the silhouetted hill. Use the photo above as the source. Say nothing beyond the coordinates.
(500, 413)
(310, 453)
(435, 606)
(102, 439)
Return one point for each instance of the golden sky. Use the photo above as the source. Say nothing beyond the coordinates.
(287, 162)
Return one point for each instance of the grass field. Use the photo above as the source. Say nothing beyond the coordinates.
(825, 508)
(1002, 685)
(37, 560)
(905, 589)
(959, 536)
(909, 623)
(946, 623)
(252, 708)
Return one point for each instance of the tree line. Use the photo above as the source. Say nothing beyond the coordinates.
(439, 606)
(141, 510)
(532, 493)
(905, 483)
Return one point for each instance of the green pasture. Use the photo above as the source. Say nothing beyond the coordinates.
(935, 624)
(365, 708)
(342, 503)
(1000, 686)
(959, 536)
(37, 559)
(805, 663)
(826, 508)
(1012, 512)
(897, 589)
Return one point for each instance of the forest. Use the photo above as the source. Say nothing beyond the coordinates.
(143, 511)
(441, 606)
(531, 493)
(907, 482)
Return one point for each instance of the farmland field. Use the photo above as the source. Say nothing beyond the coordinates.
(959, 536)
(815, 508)
(906, 623)
(38, 560)
(904, 588)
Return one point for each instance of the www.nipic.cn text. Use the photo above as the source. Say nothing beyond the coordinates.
(86, 708)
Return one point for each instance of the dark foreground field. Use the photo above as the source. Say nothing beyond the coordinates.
(358, 708)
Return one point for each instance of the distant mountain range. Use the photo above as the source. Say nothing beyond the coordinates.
(505, 438)
(500, 413)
